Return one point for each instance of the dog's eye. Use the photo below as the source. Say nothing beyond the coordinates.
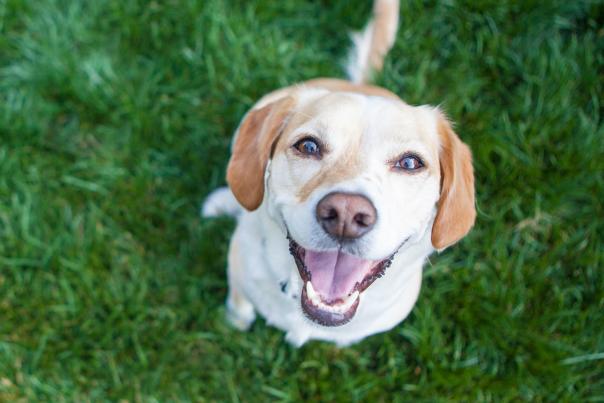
(409, 163)
(308, 146)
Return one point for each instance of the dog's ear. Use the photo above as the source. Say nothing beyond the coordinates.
(256, 136)
(456, 212)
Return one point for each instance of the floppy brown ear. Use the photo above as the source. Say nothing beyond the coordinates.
(257, 133)
(456, 212)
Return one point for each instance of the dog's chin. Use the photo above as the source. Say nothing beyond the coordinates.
(333, 282)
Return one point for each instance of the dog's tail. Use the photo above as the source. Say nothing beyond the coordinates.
(371, 45)
(221, 202)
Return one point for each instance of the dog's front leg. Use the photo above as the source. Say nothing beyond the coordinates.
(239, 310)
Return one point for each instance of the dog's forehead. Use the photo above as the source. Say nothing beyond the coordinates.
(328, 112)
(395, 121)
(350, 116)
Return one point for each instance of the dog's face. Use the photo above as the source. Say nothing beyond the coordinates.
(352, 179)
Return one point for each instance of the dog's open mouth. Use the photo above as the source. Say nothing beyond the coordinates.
(333, 282)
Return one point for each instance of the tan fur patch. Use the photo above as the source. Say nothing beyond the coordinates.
(343, 169)
(334, 84)
(251, 151)
(456, 212)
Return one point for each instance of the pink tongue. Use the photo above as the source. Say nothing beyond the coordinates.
(334, 274)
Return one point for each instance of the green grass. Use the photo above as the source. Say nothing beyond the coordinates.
(115, 120)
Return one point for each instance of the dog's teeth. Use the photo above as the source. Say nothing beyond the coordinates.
(349, 301)
(312, 294)
(341, 308)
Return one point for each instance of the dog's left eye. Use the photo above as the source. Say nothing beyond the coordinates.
(308, 146)
(409, 163)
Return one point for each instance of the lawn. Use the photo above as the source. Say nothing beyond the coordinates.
(115, 122)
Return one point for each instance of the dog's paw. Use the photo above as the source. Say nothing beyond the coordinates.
(241, 316)
(296, 338)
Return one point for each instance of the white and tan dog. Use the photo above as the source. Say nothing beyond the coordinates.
(348, 190)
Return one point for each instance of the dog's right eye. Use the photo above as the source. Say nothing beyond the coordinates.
(308, 146)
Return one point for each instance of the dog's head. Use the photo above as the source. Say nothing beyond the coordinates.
(352, 179)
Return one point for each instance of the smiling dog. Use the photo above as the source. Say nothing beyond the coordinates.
(346, 190)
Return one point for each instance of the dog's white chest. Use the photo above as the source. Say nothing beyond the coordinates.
(269, 279)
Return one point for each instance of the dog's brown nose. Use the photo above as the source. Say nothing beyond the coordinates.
(345, 215)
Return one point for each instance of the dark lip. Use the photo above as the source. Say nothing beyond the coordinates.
(326, 318)
(323, 317)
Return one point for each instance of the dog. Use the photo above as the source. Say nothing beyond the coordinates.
(341, 192)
